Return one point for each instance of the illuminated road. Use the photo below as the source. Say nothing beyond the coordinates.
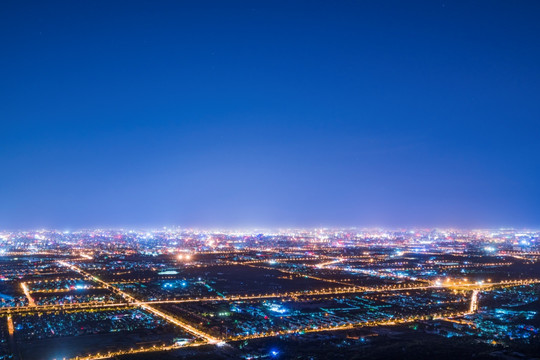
(327, 263)
(154, 348)
(145, 306)
(27, 294)
(11, 328)
(131, 301)
(347, 326)
(474, 302)
(299, 274)
(61, 307)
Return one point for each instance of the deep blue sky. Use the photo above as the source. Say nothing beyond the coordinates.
(256, 113)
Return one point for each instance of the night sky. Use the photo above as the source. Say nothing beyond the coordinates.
(293, 113)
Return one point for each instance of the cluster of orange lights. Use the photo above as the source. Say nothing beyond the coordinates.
(186, 257)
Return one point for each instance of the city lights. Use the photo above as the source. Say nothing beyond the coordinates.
(240, 291)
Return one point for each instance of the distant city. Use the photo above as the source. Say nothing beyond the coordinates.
(175, 293)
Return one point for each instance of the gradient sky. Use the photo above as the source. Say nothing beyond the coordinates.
(195, 113)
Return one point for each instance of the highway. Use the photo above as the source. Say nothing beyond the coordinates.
(146, 306)
(131, 301)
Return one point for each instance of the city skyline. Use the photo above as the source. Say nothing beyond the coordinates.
(182, 293)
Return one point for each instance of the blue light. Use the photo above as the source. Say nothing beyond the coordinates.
(277, 308)
(274, 352)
